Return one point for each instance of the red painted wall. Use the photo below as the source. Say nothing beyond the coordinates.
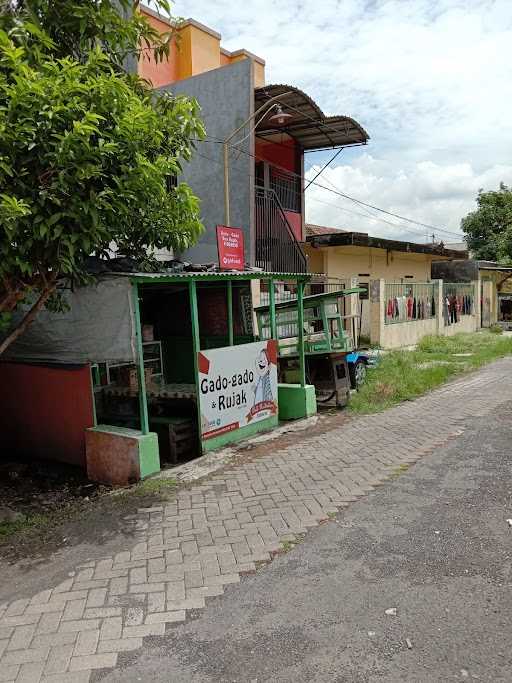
(295, 221)
(44, 411)
(282, 154)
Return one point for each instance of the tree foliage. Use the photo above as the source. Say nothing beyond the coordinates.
(488, 230)
(88, 154)
(76, 27)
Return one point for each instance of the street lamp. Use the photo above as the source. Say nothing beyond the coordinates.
(279, 118)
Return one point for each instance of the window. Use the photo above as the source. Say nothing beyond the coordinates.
(364, 295)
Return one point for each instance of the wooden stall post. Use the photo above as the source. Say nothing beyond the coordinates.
(143, 404)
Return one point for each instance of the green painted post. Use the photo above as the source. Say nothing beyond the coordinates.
(272, 307)
(300, 324)
(325, 323)
(230, 314)
(196, 347)
(196, 340)
(143, 404)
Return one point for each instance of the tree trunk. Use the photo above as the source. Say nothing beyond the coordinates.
(29, 317)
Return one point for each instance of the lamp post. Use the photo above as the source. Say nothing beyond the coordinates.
(280, 118)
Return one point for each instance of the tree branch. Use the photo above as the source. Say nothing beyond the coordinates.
(29, 317)
(10, 301)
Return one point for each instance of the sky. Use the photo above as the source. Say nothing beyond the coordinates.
(430, 80)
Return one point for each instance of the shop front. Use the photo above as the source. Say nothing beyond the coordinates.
(176, 368)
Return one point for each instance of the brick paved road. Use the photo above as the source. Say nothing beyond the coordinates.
(189, 549)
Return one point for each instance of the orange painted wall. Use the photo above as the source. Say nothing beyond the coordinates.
(204, 50)
(159, 73)
(45, 410)
(195, 50)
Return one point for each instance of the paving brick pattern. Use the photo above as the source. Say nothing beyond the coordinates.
(189, 549)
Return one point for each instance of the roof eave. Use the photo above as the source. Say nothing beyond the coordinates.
(361, 239)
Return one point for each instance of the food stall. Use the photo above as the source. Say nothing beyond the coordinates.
(175, 368)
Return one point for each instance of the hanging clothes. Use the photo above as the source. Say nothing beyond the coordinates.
(446, 311)
(409, 307)
(452, 302)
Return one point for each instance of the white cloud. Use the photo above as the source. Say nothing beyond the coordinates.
(434, 194)
(430, 80)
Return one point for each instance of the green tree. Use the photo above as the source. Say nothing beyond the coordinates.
(76, 27)
(488, 230)
(88, 155)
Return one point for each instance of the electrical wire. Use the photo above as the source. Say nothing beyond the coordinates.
(372, 217)
(366, 215)
(335, 156)
(336, 191)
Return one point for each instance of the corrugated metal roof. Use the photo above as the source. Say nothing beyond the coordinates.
(204, 275)
(308, 125)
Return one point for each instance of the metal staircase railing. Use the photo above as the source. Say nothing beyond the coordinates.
(277, 248)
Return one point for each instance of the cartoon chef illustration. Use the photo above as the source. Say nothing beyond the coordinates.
(263, 387)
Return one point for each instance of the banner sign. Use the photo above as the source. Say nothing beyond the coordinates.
(237, 386)
(230, 245)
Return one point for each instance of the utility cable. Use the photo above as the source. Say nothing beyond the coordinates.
(334, 191)
(366, 215)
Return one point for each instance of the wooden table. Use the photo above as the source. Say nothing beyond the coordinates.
(169, 391)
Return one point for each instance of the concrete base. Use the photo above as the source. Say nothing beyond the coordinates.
(295, 401)
(239, 434)
(119, 456)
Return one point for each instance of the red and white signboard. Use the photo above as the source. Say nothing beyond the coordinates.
(237, 386)
(230, 244)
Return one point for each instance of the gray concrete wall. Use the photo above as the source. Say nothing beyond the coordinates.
(226, 96)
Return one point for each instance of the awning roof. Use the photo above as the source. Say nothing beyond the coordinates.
(209, 276)
(499, 269)
(309, 125)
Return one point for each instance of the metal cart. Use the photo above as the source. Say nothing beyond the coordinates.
(332, 364)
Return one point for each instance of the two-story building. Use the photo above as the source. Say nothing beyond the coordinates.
(249, 171)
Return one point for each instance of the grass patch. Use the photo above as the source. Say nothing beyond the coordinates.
(155, 486)
(404, 375)
(399, 470)
(32, 522)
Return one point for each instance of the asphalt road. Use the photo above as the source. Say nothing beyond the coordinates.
(434, 544)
